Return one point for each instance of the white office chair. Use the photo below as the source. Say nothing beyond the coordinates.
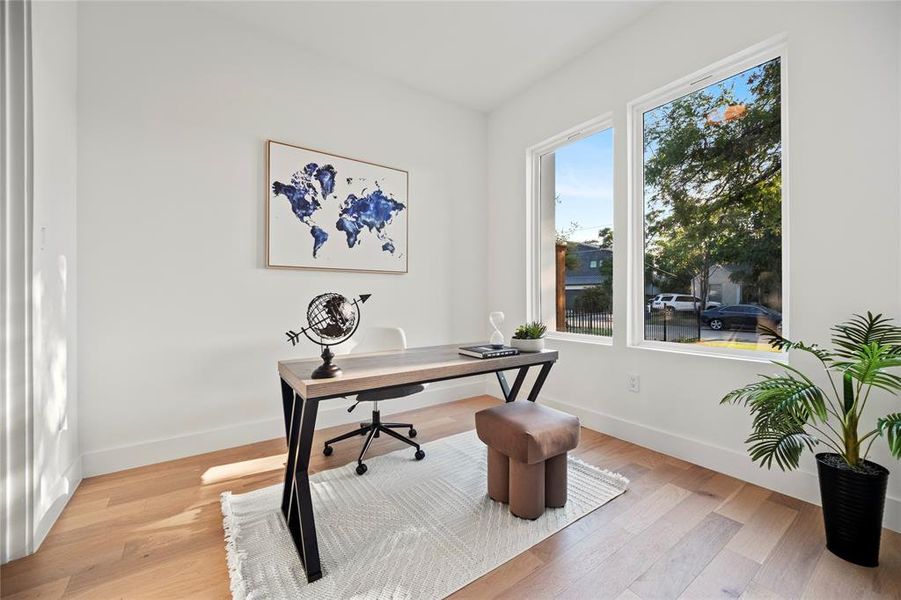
(380, 339)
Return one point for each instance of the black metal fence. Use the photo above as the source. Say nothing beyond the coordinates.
(589, 322)
(664, 326)
(672, 326)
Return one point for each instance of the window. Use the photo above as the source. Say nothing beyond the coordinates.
(571, 254)
(708, 188)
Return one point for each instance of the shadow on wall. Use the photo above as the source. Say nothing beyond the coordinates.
(51, 392)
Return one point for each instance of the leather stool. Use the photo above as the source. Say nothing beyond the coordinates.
(527, 446)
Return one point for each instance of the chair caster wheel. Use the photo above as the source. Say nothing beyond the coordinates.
(361, 468)
(327, 450)
(412, 432)
(419, 455)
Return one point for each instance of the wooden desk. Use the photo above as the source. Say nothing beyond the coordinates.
(364, 372)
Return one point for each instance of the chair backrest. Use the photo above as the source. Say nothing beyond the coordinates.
(381, 339)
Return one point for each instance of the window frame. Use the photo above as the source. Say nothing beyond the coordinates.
(760, 53)
(534, 216)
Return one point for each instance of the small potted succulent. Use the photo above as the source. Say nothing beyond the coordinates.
(529, 337)
(793, 413)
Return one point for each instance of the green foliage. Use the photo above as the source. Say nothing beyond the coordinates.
(783, 444)
(595, 298)
(791, 412)
(571, 260)
(605, 237)
(598, 298)
(859, 331)
(773, 397)
(530, 331)
(890, 427)
(713, 188)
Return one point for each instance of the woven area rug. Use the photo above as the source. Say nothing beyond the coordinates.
(406, 529)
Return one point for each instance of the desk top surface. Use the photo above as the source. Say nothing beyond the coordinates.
(383, 369)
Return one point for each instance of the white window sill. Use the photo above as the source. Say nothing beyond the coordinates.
(755, 356)
(579, 338)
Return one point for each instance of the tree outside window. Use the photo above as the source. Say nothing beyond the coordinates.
(713, 203)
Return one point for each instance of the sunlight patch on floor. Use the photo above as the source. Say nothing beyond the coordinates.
(180, 520)
(243, 468)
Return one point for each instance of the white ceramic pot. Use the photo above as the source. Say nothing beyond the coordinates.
(528, 345)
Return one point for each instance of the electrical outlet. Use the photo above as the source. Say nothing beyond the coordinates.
(634, 383)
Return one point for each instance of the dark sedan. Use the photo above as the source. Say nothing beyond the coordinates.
(740, 316)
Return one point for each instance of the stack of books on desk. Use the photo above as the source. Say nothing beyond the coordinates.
(488, 351)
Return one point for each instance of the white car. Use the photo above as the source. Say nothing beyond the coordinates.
(679, 302)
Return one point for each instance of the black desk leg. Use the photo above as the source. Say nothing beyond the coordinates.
(517, 383)
(288, 405)
(539, 381)
(511, 393)
(505, 387)
(292, 427)
(299, 515)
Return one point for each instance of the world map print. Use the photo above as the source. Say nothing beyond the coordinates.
(367, 211)
(327, 211)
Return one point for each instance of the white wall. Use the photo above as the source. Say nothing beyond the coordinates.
(56, 455)
(843, 106)
(180, 326)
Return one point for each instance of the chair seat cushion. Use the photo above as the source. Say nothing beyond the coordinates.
(526, 431)
(389, 393)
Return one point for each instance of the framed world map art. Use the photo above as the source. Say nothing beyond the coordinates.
(325, 211)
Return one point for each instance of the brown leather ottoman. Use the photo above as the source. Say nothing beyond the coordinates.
(527, 446)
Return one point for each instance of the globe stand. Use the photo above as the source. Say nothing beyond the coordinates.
(327, 369)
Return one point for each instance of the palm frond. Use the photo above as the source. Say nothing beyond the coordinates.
(868, 363)
(778, 342)
(890, 428)
(861, 330)
(778, 395)
(783, 443)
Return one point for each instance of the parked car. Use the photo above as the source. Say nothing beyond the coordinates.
(741, 316)
(679, 302)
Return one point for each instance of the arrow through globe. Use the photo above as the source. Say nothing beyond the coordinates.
(332, 319)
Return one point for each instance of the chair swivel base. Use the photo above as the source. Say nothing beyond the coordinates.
(372, 430)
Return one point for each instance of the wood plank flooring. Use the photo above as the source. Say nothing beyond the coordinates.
(681, 531)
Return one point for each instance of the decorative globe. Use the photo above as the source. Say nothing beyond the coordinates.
(332, 317)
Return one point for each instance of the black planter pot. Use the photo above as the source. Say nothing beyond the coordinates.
(853, 502)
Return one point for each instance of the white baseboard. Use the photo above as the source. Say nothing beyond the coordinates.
(798, 484)
(331, 413)
(66, 487)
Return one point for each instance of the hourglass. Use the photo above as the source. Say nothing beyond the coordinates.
(496, 319)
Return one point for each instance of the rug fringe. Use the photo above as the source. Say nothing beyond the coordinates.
(615, 479)
(234, 556)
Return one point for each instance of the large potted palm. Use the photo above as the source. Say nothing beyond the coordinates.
(791, 412)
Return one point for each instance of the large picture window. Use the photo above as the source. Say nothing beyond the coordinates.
(711, 196)
(573, 189)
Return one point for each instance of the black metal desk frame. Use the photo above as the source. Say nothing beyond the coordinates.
(300, 423)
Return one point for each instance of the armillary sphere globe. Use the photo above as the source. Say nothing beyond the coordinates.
(331, 319)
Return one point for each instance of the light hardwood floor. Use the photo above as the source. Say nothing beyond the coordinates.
(679, 531)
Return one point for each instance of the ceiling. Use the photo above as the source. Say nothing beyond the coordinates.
(478, 54)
